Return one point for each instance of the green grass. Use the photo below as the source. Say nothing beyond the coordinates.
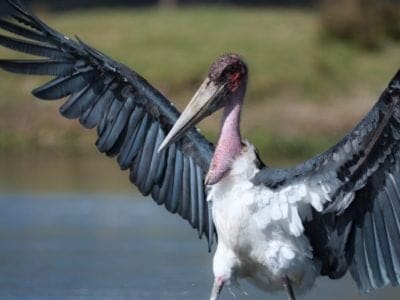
(290, 64)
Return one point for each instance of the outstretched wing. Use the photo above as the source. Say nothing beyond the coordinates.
(131, 116)
(356, 214)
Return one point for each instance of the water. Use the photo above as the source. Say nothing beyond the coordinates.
(91, 247)
(75, 239)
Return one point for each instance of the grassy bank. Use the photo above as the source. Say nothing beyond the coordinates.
(304, 91)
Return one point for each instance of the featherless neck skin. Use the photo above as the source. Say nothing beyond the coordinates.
(229, 142)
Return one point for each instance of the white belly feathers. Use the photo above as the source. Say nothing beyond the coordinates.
(261, 228)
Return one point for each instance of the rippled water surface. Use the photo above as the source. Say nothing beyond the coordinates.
(77, 241)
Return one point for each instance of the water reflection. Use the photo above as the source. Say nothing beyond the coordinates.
(71, 244)
(63, 173)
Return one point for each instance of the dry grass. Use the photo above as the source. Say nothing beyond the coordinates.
(366, 23)
(304, 91)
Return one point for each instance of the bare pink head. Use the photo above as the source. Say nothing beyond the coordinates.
(224, 87)
(231, 69)
(228, 69)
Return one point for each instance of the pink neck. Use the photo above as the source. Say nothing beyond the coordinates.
(229, 142)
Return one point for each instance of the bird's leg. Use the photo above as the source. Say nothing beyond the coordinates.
(217, 287)
(288, 288)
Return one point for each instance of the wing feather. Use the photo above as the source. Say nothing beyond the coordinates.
(167, 182)
(193, 194)
(131, 116)
(357, 224)
(80, 101)
(63, 86)
(155, 161)
(38, 67)
(173, 203)
(21, 31)
(126, 157)
(31, 48)
(387, 267)
(146, 156)
(185, 204)
(93, 113)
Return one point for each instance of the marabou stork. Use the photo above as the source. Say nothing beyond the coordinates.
(278, 228)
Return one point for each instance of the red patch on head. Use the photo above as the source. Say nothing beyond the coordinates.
(234, 81)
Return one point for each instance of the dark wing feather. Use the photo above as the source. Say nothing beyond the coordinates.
(21, 31)
(38, 67)
(359, 228)
(131, 116)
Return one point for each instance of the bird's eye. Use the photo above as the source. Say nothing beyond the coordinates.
(228, 69)
(227, 72)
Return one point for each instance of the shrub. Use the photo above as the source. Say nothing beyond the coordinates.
(364, 22)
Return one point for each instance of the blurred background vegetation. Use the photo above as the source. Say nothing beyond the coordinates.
(316, 68)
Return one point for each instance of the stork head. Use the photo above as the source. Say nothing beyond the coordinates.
(226, 75)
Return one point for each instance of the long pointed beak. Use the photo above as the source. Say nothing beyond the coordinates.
(195, 111)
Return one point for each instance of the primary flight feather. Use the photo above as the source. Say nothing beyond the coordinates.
(278, 228)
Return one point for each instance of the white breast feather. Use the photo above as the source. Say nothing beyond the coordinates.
(264, 224)
(290, 203)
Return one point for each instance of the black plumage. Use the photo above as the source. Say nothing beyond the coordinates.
(155, 161)
(193, 194)
(79, 102)
(173, 203)
(38, 67)
(31, 47)
(356, 229)
(166, 185)
(185, 204)
(131, 117)
(359, 229)
(64, 86)
(23, 32)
